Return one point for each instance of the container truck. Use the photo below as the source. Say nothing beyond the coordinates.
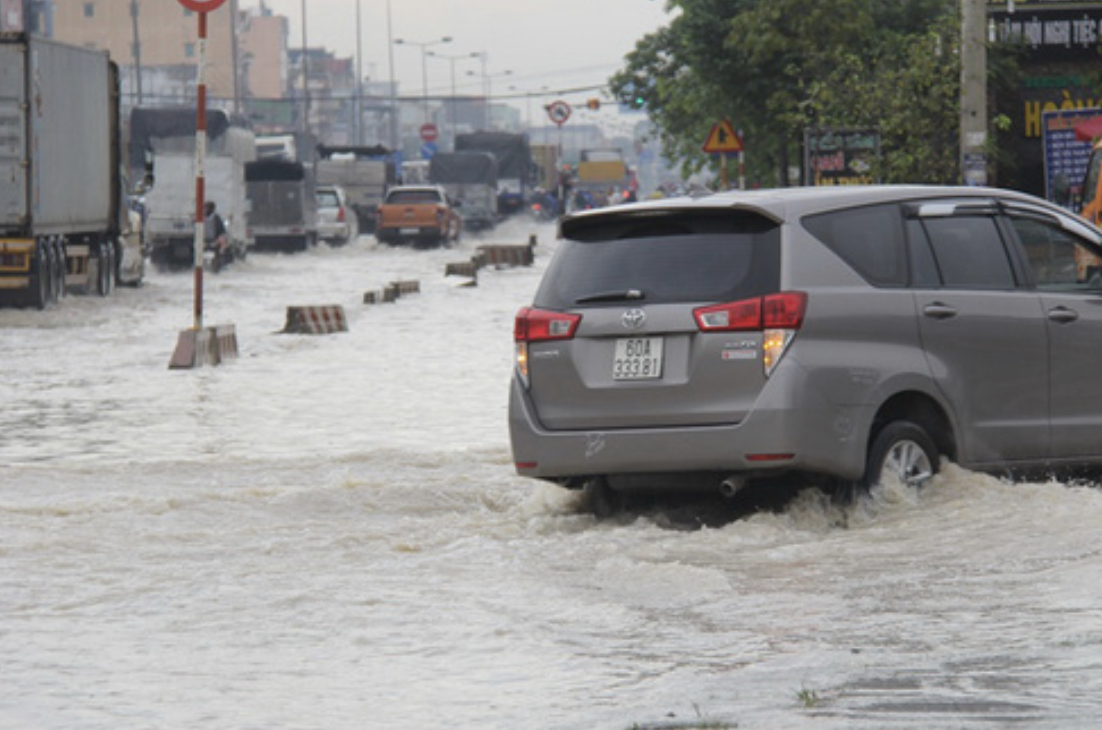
(65, 220)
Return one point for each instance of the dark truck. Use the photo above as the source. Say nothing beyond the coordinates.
(471, 180)
(514, 165)
(282, 208)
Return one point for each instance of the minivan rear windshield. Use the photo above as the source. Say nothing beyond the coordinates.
(682, 258)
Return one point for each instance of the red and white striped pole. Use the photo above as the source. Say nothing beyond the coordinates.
(197, 346)
(200, 160)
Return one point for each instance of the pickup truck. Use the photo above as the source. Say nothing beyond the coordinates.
(421, 215)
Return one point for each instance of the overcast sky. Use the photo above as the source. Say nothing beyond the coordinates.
(546, 45)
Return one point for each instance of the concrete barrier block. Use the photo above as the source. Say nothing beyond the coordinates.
(205, 346)
(501, 255)
(407, 286)
(316, 320)
(468, 269)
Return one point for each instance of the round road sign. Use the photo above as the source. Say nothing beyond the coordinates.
(559, 111)
(429, 132)
(202, 6)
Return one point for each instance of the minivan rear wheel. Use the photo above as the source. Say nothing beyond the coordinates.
(904, 451)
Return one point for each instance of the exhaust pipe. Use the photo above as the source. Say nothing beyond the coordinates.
(731, 486)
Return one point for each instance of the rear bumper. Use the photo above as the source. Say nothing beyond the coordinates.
(818, 439)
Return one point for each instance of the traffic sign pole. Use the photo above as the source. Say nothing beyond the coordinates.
(197, 346)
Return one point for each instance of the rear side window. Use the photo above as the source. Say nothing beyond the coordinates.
(413, 197)
(665, 259)
(969, 252)
(870, 239)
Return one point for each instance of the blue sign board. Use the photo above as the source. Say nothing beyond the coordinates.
(1066, 157)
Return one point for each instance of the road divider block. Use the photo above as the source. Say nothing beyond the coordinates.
(204, 346)
(392, 291)
(315, 320)
(502, 255)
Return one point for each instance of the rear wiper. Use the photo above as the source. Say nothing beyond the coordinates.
(611, 296)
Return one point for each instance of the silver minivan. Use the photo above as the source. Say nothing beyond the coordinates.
(837, 334)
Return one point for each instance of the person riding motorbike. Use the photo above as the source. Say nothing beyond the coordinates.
(215, 242)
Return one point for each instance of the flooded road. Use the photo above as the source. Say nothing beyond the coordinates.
(327, 533)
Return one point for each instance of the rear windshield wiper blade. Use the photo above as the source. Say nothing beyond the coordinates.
(611, 296)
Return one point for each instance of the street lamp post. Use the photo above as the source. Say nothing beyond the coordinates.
(454, 58)
(424, 65)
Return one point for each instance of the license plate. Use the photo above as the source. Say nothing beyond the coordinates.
(409, 231)
(637, 358)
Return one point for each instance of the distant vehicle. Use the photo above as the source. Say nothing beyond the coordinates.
(470, 178)
(415, 172)
(65, 222)
(848, 335)
(170, 200)
(282, 210)
(365, 173)
(514, 165)
(421, 215)
(277, 146)
(336, 220)
(603, 175)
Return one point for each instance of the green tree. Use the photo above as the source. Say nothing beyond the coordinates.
(775, 67)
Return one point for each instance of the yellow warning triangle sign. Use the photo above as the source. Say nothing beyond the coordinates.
(722, 138)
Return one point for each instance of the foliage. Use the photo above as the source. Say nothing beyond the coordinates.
(776, 67)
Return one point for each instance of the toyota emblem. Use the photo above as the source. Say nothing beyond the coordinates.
(633, 319)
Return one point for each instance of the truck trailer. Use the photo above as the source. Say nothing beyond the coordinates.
(282, 207)
(65, 220)
(471, 181)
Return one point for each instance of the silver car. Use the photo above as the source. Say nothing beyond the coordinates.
(337, 223)
(842, 334)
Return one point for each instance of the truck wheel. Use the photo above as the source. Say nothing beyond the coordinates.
(106, 279)
(62, 266)
(40, 295)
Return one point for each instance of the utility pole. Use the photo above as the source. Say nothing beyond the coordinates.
(973, 92)
(136, 51)
(234, 30)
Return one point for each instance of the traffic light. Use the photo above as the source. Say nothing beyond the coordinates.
(593, 104)
(638, 102)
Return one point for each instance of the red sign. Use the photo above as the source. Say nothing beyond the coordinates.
(559, 112)
(429, 132)
(202, 6)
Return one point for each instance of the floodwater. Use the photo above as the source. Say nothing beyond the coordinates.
(327, 533)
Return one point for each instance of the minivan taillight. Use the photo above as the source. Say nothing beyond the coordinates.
(536, 325)
(783, 310)
(539, 325)
(776, 316)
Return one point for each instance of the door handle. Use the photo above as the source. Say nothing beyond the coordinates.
(1063, 315)
(937, 310)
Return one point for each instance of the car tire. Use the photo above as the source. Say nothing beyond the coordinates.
(904, 450)
(601, 499)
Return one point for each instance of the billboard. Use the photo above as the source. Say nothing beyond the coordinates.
(845, 156)
(1066, 154)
